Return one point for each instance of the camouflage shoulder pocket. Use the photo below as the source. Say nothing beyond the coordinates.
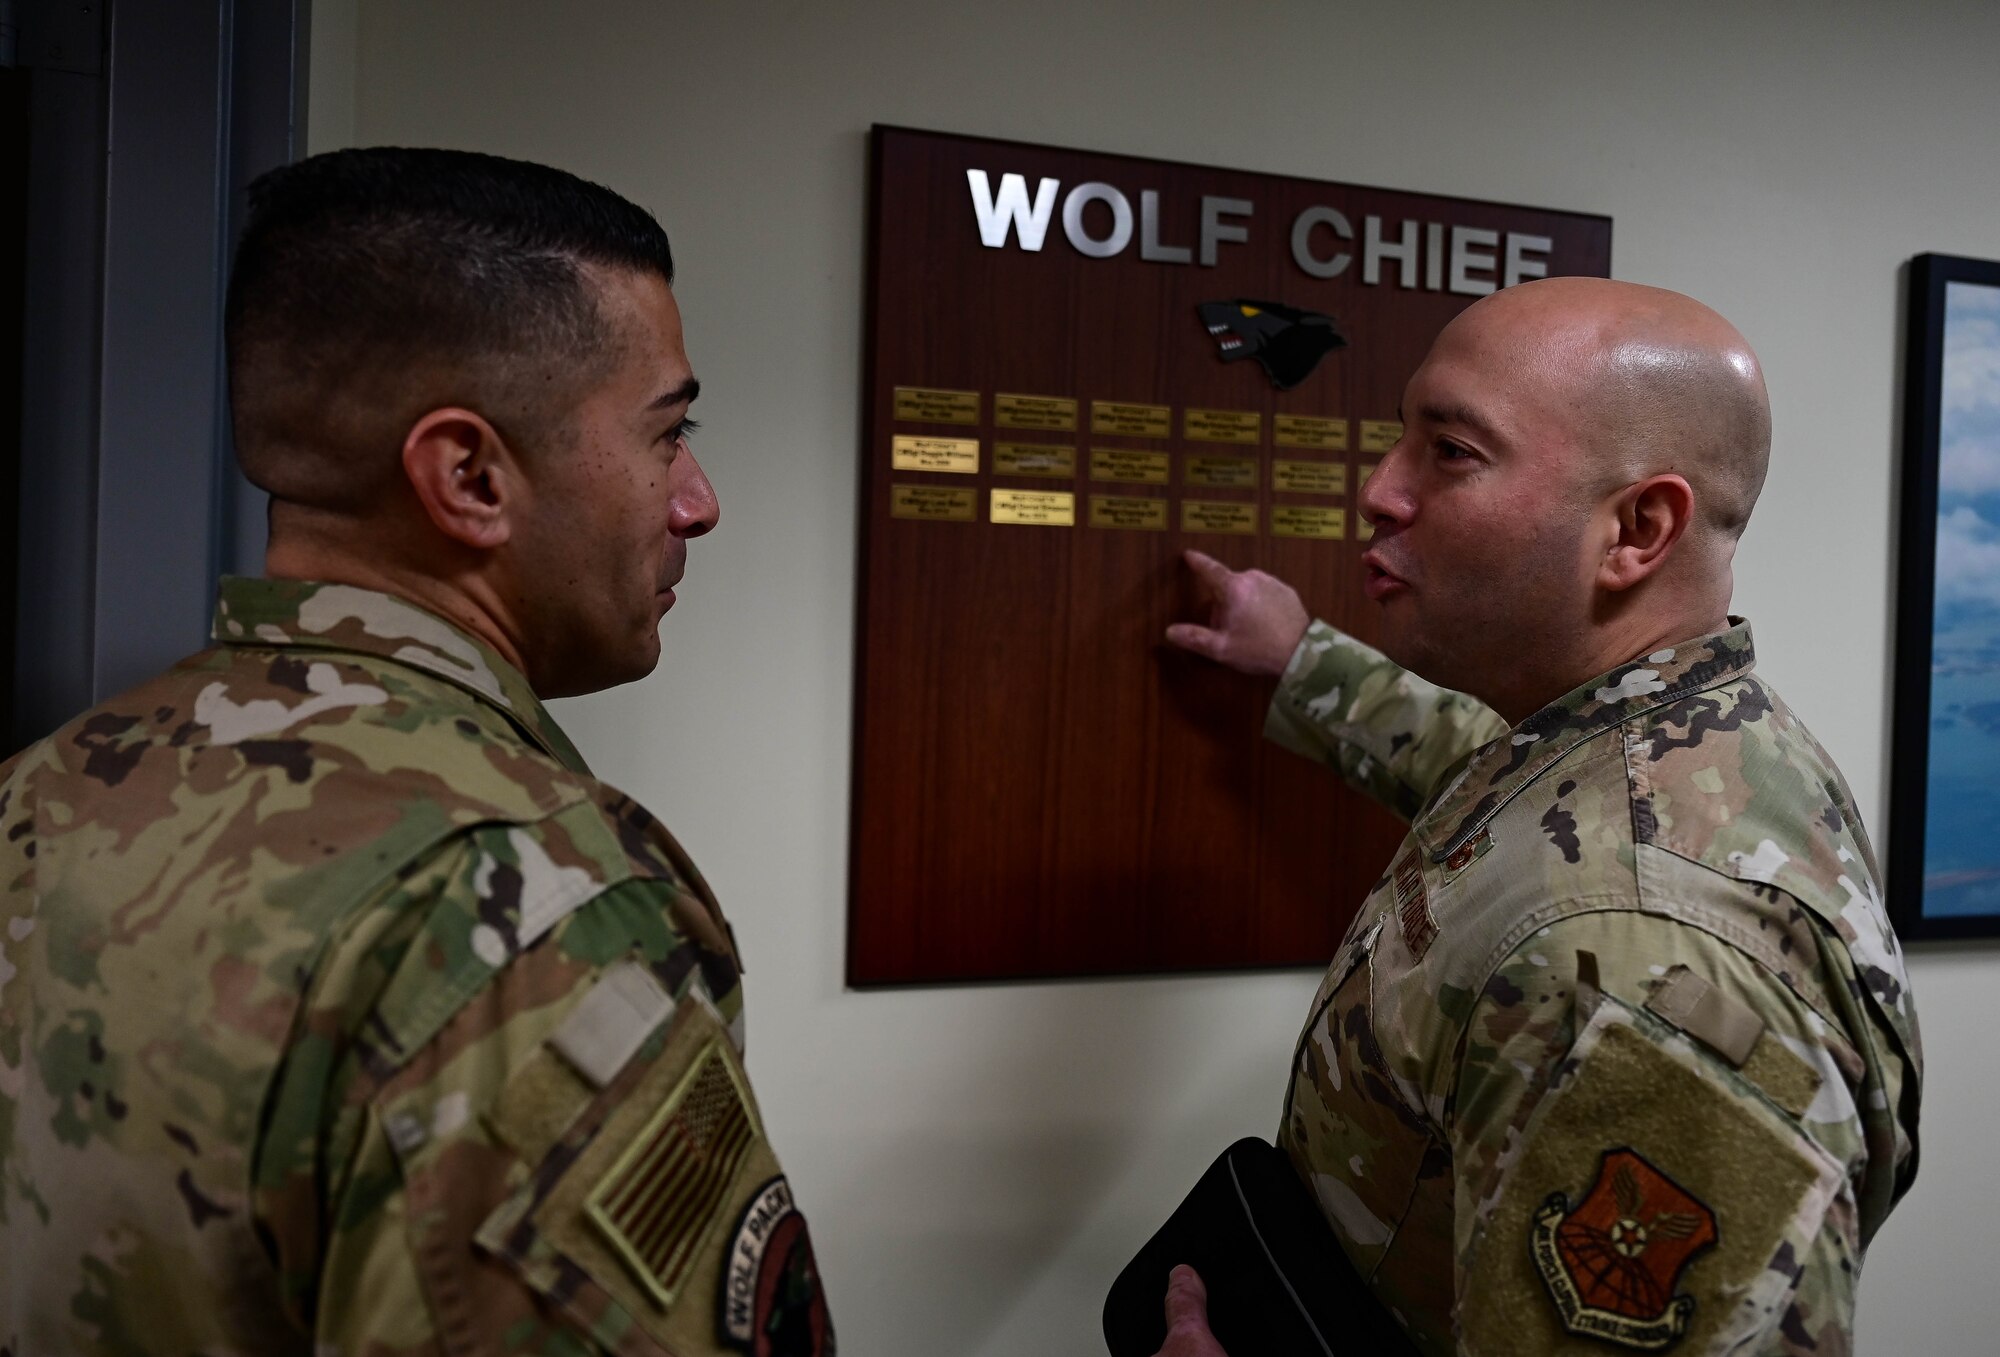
(658, 1219)
(1656, 1202)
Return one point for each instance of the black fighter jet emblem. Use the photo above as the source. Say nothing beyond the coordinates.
(1288, 342)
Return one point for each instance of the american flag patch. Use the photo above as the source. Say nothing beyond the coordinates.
(659, 1199)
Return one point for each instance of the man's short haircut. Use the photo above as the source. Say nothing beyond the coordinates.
(373, 285)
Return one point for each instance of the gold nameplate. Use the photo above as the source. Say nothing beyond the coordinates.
(945, 503)
(1033, 459)
(1210, 515)
(910, 453)
(1309, 478)
(1363, 473)
(1135, 421)
(1055, 508)
(1127, 464)
(1311, 431)
(1231, 471)
(1379, 435)
(1363, 529)
(1128, 511)
(1223, 426)
(924, 405)
(1034, 412)
(1308, 520)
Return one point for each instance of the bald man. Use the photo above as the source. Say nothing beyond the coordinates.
(1620, 1053)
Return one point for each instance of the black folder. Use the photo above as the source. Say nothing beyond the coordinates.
(1278, 1283)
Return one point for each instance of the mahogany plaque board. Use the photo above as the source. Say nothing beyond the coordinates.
(1078, 366)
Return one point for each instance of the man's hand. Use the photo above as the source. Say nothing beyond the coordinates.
(1255, 620)
(1187, 1309)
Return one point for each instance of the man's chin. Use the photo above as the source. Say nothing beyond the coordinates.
(595, 673)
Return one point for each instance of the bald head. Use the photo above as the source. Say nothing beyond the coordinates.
(1647, 382)
(1578, 460)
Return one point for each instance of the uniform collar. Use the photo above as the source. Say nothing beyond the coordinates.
(304, 615)
(1501, 769)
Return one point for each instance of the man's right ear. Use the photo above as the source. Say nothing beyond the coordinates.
(464, 475)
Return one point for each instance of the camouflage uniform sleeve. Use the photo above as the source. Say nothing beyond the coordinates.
(1389, 734)
(512, 1048)
(1669, 1156)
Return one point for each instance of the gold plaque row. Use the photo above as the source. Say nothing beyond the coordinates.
(1324, 433)
(960, 456)
(1057, 508)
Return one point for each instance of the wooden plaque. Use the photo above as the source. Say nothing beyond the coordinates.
(1042, 787)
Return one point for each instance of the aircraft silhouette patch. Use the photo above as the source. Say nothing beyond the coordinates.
(1287, 342)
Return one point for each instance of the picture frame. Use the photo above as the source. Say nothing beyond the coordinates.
(1944, 802)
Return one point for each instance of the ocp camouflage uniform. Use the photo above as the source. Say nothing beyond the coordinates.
(343, 1012)
(1620, 1053)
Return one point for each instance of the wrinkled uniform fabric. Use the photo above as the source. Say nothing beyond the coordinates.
(286, 936)
(1515, 1121)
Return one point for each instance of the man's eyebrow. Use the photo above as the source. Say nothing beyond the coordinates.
(1456, 414)
(685, 392)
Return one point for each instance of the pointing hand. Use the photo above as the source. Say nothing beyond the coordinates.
(1255, 620)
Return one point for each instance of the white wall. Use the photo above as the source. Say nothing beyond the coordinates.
(978, 1162)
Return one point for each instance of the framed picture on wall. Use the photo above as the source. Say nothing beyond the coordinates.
(1944, 807)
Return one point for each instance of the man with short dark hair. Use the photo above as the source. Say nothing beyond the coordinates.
(1620, 1054)
(341, 1009)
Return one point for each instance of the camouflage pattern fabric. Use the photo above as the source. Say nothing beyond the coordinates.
(1620, 1054)
(335, 996)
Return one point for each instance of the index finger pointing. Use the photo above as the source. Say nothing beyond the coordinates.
(1207, 569)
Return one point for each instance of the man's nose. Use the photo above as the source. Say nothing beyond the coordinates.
(693, 510)
(1384, 500)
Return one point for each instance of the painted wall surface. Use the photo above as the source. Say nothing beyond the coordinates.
(978, 1162)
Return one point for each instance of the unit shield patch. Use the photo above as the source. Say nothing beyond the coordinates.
(771, 1303)
(658, 1201)
(1611, 1261)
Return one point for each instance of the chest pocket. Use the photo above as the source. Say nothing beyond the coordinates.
(1349, 1133)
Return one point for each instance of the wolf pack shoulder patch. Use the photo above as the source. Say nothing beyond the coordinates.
(1612, 1260)
(771, 1303)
